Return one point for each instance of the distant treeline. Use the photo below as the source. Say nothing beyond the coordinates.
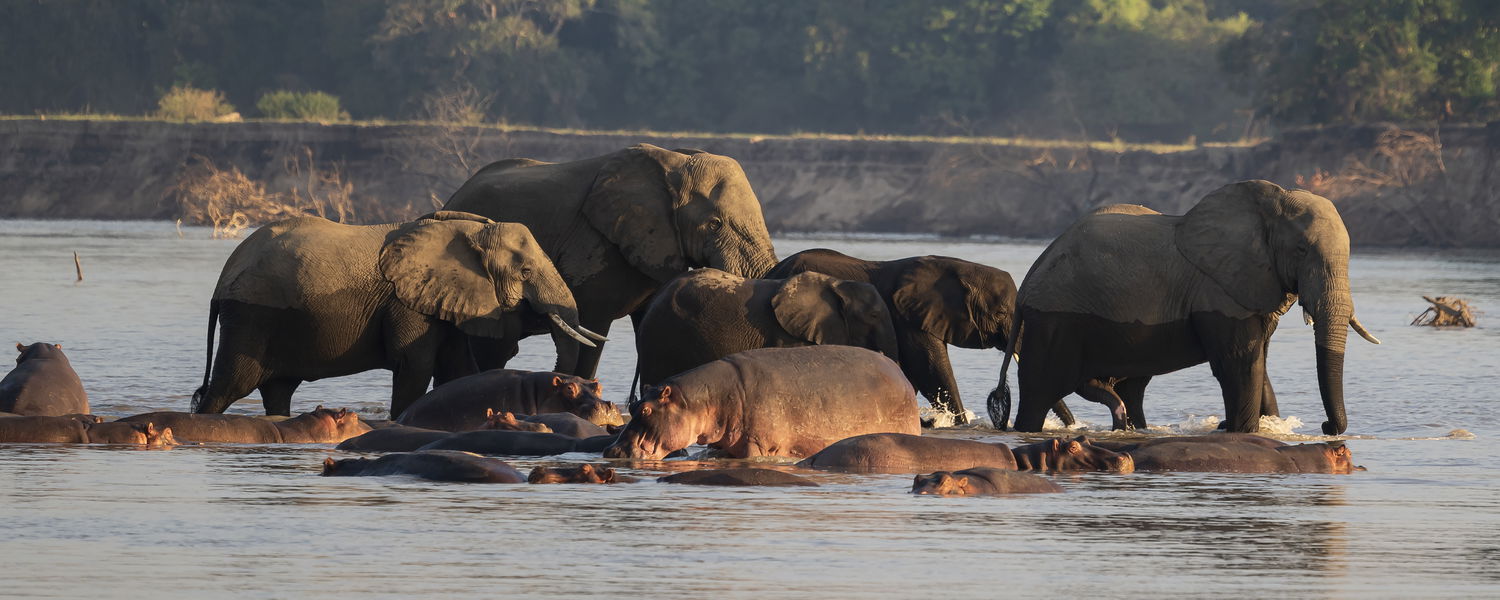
(1161, 70)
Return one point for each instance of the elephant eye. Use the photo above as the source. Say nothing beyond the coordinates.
(715, 224)
(525, 272)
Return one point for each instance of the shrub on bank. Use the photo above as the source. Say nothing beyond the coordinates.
(303, 106)
(186, 103)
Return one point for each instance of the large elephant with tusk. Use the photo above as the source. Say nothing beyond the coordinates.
(1123, 295)
(306, 298)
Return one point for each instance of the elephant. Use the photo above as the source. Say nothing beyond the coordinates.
(306, 298)
(934, 301)
(1133, 294)
(618, 226)
(708, 314)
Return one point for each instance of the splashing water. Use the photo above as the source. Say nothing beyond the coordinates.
(941, 418)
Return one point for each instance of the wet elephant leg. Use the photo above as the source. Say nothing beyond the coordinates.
(1132, 391)
(408, 382)
(1236, 355)
(234, 377)
(276, 395)
(1099, 390)
(1064, 414)
(1268, 406)
(924, 360)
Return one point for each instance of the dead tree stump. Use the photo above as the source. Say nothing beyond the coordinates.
(1446, 312)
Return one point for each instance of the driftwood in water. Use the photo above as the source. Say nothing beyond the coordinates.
(1446, 312)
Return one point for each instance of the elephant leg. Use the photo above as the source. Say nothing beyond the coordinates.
(408, 382)
(1268, 406)
(1234, 349)
(1100, 390)
(1041, 390)
(1064, 414)
(455, 359)
(1132, 391)
(924, 360)
(235, 375)
(276, 395)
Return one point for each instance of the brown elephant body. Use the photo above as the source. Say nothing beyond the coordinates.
(618, 226)
(708, 314)
(319, 426)
(772, 402)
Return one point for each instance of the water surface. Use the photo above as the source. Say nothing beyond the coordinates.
(257, 521)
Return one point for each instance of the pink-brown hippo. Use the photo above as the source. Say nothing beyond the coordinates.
(584, 473)
(129, 433)
(460, 405)
(772, 402)
(901, 453)
(739, 477)
(568, 424)
(1207, 454)
(318, 426)
(43, 384)
(82, 429)
(435, 465)
(507, 421)
(982, 481)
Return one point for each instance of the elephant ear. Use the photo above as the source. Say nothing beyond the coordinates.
(808, 307)
(938, 300)
(437, 271)
(1227, 238)
(633, 202)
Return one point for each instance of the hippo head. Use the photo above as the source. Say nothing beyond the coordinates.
(37, 350)
(585, 473)
(333, 425)
(507, 421)
(941, 483)
(663, 421)
(1321, 458)
(124, 432)
(583, 397)
(333, 467)
(1077, 454)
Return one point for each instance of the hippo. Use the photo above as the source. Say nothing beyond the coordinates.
(506, 421)
(396, 438)
(568, 424)
(584, 473)
(137, 434)
(904, 453)
(318, 426)
(435, 465)
(1078, 454)
(72, 429)
(43, 384)
(739, 477)
(459, 405)
(1242, 457)
(509, 443)
(982, 481)
(772, 402)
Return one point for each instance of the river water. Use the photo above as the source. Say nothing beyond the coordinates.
(258, 521)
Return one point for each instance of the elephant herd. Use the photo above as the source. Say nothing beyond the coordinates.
(735, 350)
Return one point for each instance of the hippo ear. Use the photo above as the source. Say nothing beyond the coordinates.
(1074, 447)
(556, 381)
(20, 348)
(962, 483)
(489, 413)
(808, 307)
(586, 469)
(598, 388)
(573, 390)
(608, 475)
(150, 429)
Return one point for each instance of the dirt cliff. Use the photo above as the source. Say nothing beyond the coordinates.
(1395, 187)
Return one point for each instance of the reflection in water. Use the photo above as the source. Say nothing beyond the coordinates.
(259, 521)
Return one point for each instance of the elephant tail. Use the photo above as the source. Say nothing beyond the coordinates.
(208, 367)
(998, 403)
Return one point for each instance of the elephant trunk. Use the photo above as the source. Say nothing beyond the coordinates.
(549, 296)
(1332, 309)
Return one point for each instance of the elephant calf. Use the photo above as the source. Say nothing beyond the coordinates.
(708, 314)
(42, 384)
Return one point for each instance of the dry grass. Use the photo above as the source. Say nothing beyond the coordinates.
(230, 202)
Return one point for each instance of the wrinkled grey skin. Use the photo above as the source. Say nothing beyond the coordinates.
(708, 314)
(43, 384)
(618, 226)
(1135, 295)
(306, 298)
(934, 301)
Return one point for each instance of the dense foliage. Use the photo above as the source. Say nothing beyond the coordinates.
(1138, 69)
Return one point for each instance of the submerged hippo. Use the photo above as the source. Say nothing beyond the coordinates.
(396, 438)
(1242, 457)
(584, 473)
(43, 384)
(568, 424)
(73, 429)
(509, 443)
(905, 453)
(436, 465)
(460, 405)
(772, 402)
(982, 481)
(319, 426)
(507, 421)
(738, 477)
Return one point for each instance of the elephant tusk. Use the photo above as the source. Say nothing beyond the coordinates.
(569, 330)
(1015, 356)
(1306, 318)
(596, 337)
(1360, 329)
